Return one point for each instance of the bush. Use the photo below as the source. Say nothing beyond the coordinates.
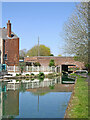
(32, 79)
(41, 76)
(88, 67)
(51, 63)
(32, 74)
(20, 74)
(17, 80)
(37, 64)
(51, 86)
(17, 74)
(27, 79)
(27, 74)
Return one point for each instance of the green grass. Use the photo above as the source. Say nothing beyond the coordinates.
(88, 73)
(79, 102)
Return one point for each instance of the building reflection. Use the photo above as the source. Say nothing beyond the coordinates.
(9, 103)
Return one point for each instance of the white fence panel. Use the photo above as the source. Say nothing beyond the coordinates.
(32, 69)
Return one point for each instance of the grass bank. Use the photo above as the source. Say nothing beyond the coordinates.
(78, 105)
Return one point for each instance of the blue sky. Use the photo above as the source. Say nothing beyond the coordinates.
(32, 19)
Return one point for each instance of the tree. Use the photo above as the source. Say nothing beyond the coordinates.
(51, 55)
(43, 51)
(22, 66)
(76, 33)
(51, 63)
(22, 53)
(59, 55)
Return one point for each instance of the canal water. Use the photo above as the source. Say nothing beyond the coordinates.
(34, 99)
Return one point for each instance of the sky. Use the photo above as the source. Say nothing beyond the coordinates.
(44, 19)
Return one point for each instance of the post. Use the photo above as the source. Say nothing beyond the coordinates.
(38, 69)
(7, 68)
(56, 69)
(32, 85)
(51, 68)
(32, 68)
(60, 79)
(61, 69)
(14, 68)
(27, 68)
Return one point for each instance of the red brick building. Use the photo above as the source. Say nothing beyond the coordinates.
(9, 46)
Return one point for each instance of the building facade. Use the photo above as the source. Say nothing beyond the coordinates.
(9, 46)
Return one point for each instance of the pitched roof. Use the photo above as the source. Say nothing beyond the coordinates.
(3, 34)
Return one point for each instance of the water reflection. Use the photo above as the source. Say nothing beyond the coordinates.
(31, 98)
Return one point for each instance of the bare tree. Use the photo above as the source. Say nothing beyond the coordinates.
(22, 53)
(76, 33)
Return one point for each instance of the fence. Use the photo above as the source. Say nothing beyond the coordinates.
(32, 84)
(33, 69)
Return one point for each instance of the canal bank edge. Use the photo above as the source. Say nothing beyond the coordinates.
(70, 103)
(69, 106)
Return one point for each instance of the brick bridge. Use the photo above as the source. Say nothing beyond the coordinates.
(44, 61)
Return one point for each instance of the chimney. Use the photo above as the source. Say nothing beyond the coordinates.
(9, 28)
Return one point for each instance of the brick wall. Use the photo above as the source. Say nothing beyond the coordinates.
(12, 51)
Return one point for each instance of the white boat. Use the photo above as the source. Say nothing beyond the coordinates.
(6, 80)
(8, 76)
(13, 81)
(68, 82)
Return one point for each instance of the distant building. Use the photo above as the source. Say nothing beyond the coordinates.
(9, 46)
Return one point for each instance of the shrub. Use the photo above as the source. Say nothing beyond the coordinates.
(32, 79)
(27, 79)
(41, 76)
(88, 67)
(17, 74)
(51, 86)
(37, 64)
(51, 63)
(27, 74)
(17, 80)
(32, 74)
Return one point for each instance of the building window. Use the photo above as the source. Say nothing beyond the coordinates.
(5, 56)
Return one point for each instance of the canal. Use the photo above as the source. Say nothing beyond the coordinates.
(34, 98)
